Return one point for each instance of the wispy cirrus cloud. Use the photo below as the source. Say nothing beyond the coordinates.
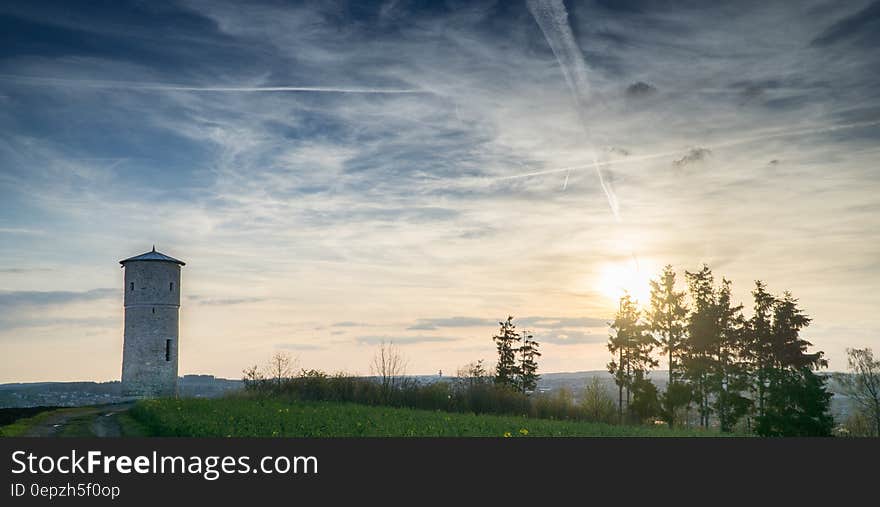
(434, 323)
(166, 87)
(348, 323)
(59, 323)
(859, 26)
(11, 299)
(210, 301)
(543, 322)
(402, 340)
(566, 322)
(300, 346)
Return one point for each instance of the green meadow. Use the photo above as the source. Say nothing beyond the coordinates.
(266, 417)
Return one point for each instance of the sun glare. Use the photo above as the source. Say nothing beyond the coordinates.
(625, 277)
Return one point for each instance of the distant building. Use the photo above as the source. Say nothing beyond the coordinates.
(152, 304)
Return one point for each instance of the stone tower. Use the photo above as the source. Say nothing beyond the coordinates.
(152, 301)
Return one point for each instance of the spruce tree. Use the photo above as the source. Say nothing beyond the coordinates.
(702, 339)
(758, 351)
(507, 343)
(667, 318)
(797, 405)
(729, 378)
(528, 364)
(632, 343)
(619, 345)
(797, 402)
(713, 352)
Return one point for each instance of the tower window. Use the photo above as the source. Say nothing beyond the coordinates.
(171, 286)
(154, 310)
(168, 350)
(131, 286)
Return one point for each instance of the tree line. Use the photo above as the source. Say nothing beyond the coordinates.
(731, 369)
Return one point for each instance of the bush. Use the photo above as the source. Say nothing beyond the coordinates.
(477, 395)
(597, 405)
(556, 405)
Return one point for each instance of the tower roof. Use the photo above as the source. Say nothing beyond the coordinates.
(152, 256)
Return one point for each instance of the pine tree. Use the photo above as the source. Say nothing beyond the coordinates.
(667, 318)
(729, 378)
(702, 339)
(714, 349)
(789, 349)
(797, 402)
(528, 364)
(633, 344)
(758, 350)
(506, 342)
(797, 405)
(619, 343)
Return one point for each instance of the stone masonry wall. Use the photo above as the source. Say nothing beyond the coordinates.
(152, 302)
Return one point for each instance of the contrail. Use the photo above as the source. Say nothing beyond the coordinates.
(128, 85)
(552, 18)
(609, 193)
(715, 146)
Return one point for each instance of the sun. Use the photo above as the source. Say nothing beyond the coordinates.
(616, 279)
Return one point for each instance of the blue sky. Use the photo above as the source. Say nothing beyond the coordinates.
(336, 174)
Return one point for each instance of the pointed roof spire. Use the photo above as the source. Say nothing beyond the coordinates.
(152, 256)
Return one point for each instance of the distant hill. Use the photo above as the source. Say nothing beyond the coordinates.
(75, 394)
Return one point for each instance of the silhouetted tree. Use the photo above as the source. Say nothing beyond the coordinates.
(729, 377)
(797, 402)
(758, 346)
(713, 351)
(633, 344)
(252, 378)
(702, 338)
(280, 367)
(473, 374)
(528, 364)
(506, 342)
(390, 366)
(667, 318)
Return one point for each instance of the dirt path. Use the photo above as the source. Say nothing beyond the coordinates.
(97, 421)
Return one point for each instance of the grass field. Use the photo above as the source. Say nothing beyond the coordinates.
(246, 417)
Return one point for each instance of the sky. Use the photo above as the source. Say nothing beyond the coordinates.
(338, 174)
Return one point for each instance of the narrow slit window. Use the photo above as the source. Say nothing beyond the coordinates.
(168, 350)
(154, 310)
(171, 286)
(131, 285)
